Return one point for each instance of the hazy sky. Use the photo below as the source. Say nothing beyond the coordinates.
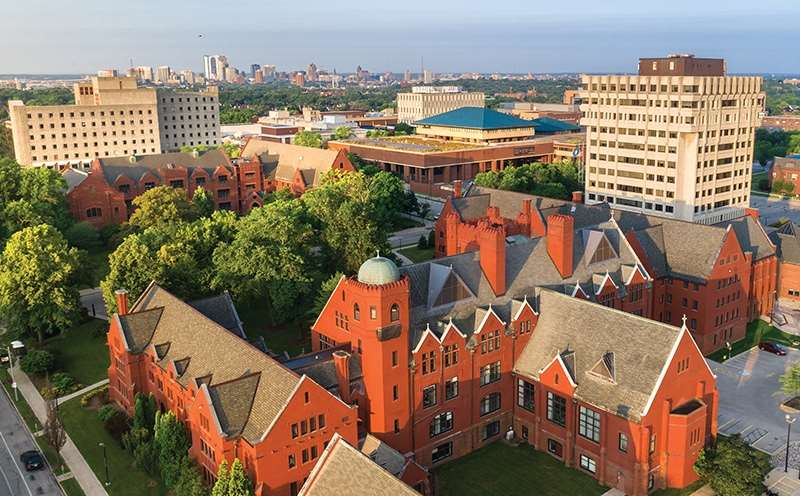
(77, 36)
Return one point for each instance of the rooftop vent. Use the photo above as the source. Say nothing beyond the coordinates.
(132, 159)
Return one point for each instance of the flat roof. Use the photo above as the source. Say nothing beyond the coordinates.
(476, 118)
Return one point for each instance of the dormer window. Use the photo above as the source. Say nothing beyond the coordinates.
(603, 251)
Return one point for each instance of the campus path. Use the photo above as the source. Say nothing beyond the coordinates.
(83, 474)
(81, 392)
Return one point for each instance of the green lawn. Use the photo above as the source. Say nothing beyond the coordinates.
(679, 492)
(757, 331)
(503, 470)
(96, 266)
(416, 254)
(72, 488)
(87, 431)
(81, 351)
(293, 337)
(22, 405)
(55, 460)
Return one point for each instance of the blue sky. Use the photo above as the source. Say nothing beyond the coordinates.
(451, 35)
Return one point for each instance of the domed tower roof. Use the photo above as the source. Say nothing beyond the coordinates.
(377, 271)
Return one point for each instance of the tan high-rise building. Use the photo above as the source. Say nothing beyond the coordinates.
(425, 101)
(675, 140)
(113, 117)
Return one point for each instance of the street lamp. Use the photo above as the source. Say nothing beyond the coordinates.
(105, 461)
(789, 422)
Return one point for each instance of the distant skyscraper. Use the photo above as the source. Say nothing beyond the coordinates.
(427, 76)
(143, 73)
(298, 79)
(162, 73)
(188, 76)
(407, 76)
(107, 73)
(311, 72)
(253, 69)
(214, 67)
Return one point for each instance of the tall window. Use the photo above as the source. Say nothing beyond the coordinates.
(451, 389)
(623, 442)
(450, 355)
(394, 312)
(635, 292)
(556, 409)
(441, 423)
(589, 424)
(356, 312)
(490, 403)
(525, 394)
(429, 362)
(490, 373)
(490, 342)
(429, 396)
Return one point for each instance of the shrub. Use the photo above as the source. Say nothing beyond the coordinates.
(106, 412)
(116, 424)
(763, 184)
(422, 243)
(145, 457)
(432, 239)
(100, 392)
(83, 235)
(733, 467)
(63, 384)
(37, 362)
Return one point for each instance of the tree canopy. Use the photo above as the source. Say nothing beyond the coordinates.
(38, 292)
(160, 207)
(556, 180)
(308, 138)
(343, 133)
(733, 468)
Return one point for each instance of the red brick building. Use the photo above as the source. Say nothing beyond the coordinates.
(786, 169)
(298, 168)
(235, 400)
(720, 280)
(785, 122)
(788, 243)
(460, 351)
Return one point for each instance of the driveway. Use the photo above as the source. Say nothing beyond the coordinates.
(750, 396)
(92, 301)
(15, 439)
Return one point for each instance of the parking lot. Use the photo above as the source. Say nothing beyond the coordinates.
(750, 397)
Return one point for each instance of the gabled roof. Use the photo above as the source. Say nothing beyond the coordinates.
(281, 161)
(787, 241)
(248, 389)
(641, 348)
(342, 470)
(221, 310)
(136, 166)
(475, 118)
(73, 177)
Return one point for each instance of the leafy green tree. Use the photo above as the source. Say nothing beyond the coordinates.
(342, 201)
(270, 256)
(308, 138)
(343, 133)
(32, 196)
(387, 194)
(790, 380)
(161, 206)
(221, 485)
(422, 244)
(189, 483)
(232, 150)
(172, 443)
(144, 412)
(324, 293)
(37, 362)
(83, 235)
(733, 468)
(131, 268)
(401, 128)
(38, 271)
(202, 202)
(238, 482)
(10, 177)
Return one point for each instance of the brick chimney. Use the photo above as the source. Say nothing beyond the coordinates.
(577, 197)
(560, 233)
(537, 224)
(341, 361)
(122, 301)
(493, 213)
(752, 212)
(492, 246)
(526, 208)
(457, 189)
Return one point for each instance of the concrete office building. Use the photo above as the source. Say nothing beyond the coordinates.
(675, 140)
(214, 67)
(425, 101)
(113, 117)
(163, 74)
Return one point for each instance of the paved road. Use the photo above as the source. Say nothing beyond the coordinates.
(750, 396)
(772, 209)
(14, 440)
(92, 301)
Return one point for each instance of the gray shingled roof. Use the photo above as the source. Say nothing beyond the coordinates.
(208, 160)
(217, 358)
(342, 470)
(640, 347)
(221, 310)
(752, 237)
(787, 242)
(528, 266)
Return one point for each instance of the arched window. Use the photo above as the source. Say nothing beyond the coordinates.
(356, 312)
(394, 313)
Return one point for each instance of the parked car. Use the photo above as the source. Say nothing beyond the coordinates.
(771, 347)
(32, 460)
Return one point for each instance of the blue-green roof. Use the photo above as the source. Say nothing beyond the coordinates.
(475, 118)
(548, 125)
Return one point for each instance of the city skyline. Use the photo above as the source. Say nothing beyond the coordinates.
(511, 37)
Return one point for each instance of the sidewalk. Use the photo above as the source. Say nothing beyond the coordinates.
(785, 484)
(88, 481)
(81, 392)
